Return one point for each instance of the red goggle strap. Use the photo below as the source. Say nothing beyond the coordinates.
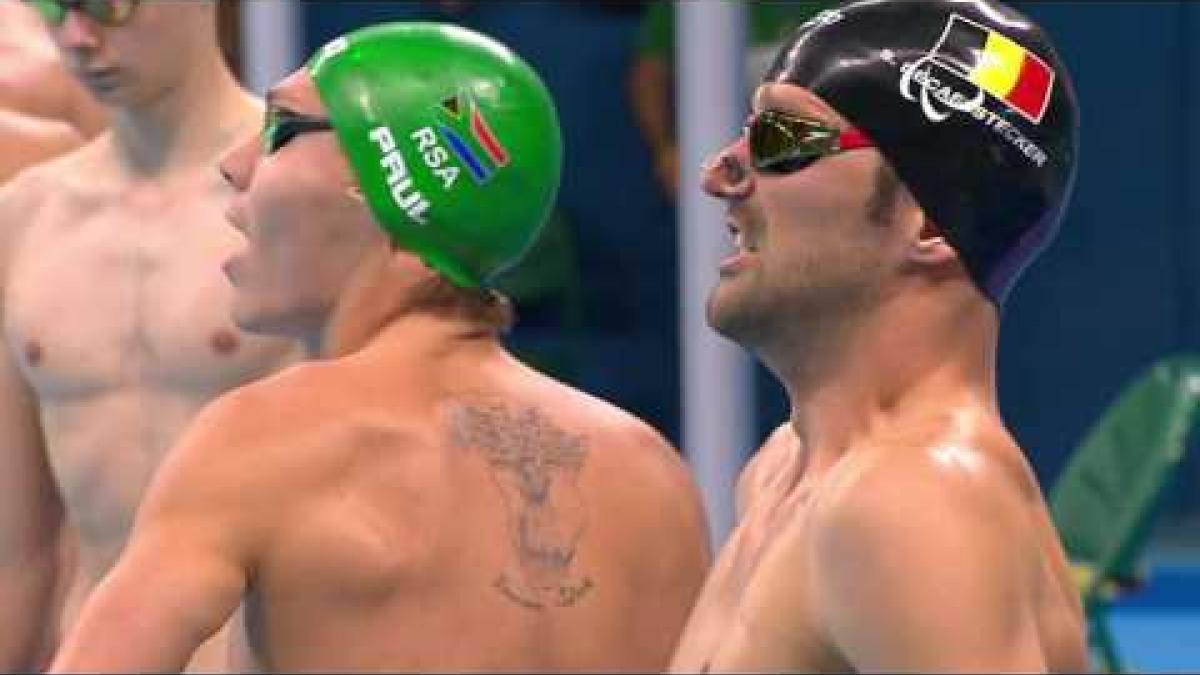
(852, 139)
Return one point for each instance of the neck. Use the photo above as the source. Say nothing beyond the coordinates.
(199, 117)
(935, 347)
(420, 338)
(377, 302)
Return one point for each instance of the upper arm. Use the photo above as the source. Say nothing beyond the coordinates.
(31, 508)
(683, 489)
(184, 570)
(926, 576)
(86, 115)
(30, 140)
(174, 586)
(31, 522)
(30, 505)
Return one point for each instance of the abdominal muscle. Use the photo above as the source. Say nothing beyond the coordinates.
(104, 450)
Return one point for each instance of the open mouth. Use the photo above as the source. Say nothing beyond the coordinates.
(745, 247)
(743, 238)
(105, 78)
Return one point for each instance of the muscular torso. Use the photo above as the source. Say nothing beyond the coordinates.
(513, 526)
(117, 313)
(758, 609)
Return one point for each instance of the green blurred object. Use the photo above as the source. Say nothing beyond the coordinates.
(549, 278)
(769, 23)
(1105, 502)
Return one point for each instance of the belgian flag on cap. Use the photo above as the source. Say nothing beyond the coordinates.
(998, 65)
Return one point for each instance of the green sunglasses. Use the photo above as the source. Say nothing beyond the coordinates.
(103, 12)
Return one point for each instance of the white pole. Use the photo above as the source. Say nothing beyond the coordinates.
(717, 375)
(270, 42)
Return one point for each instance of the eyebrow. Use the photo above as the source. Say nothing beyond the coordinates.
(769, 103)
(273, 101)
(802, 108)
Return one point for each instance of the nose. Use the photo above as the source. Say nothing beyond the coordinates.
(77, 33)
(237, 170)
(727, 174)
(239, 163)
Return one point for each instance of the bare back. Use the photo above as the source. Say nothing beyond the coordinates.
(116, 313)
(471, 518)
(766, 605)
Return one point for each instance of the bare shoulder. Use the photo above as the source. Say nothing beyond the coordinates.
(949, 481)
(253, 430)
(931, 509)
(282, 407)
(639, 472)
(66, 174)
(628, 439)
(29, 140)
(25, 189)
(606, 426)
(770, 453)
(763, 466)
(252, 455)
(919, 536)
(21, 197)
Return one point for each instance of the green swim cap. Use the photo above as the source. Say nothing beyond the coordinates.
(454, 140)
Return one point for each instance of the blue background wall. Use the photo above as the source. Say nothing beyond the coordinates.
(1118, 290)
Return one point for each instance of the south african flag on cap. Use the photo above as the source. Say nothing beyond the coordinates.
(467, 131)
(998, 66)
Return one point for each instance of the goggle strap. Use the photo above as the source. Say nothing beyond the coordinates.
(853, 139)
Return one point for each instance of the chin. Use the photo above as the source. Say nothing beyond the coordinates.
(255, 320)
(729, 315)
(749, 311)
(252, 323)
(295, 323)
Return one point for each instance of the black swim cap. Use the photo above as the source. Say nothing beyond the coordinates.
(968, 101)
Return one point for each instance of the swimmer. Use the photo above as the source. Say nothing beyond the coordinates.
(117, 315)
(415, 499)
(903, 162)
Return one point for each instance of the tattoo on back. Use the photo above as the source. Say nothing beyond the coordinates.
(536, 466)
